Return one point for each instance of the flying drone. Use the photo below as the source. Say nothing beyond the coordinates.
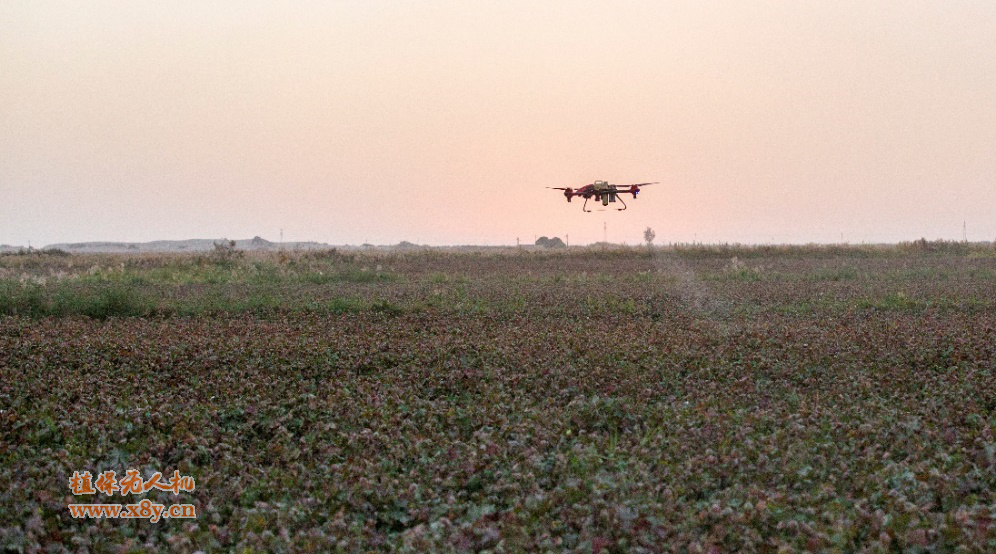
(602, 191)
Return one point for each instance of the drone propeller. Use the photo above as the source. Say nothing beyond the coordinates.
(634, 189)
(568, 192)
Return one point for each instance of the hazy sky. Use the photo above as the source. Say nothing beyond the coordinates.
(441, 122)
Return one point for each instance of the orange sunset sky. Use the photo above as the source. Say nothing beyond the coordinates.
(442, 122)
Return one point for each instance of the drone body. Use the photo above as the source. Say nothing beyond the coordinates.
(602, 191)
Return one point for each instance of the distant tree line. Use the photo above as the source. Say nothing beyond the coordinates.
(547, 242)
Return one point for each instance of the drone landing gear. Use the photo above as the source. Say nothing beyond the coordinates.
(618, 198)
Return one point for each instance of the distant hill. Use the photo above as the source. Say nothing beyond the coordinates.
(191, 245)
